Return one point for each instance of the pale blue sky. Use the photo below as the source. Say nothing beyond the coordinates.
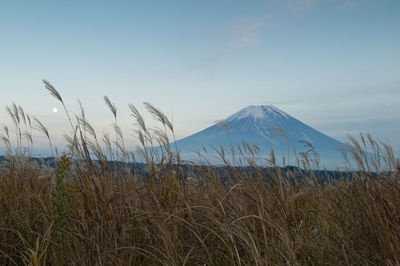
(334, 64)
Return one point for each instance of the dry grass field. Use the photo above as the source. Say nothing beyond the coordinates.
(91, 209)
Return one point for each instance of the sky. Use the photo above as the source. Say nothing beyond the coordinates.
(333, 64)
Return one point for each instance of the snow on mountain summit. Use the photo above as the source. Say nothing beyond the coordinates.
(258, 112)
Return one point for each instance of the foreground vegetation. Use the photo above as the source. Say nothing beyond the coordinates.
(93, 209)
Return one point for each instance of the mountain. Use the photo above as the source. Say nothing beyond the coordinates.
(261, 125)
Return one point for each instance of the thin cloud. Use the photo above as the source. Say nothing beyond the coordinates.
(301, 5)
(246, 32)
(346, 4)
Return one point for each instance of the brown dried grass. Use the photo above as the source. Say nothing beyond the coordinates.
(163, 217)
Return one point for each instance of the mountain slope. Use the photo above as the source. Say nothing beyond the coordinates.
(260, 125)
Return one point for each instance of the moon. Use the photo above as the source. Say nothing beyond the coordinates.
(55, 110)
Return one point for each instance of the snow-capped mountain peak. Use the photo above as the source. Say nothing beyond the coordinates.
(256, 125)
(258, 112)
